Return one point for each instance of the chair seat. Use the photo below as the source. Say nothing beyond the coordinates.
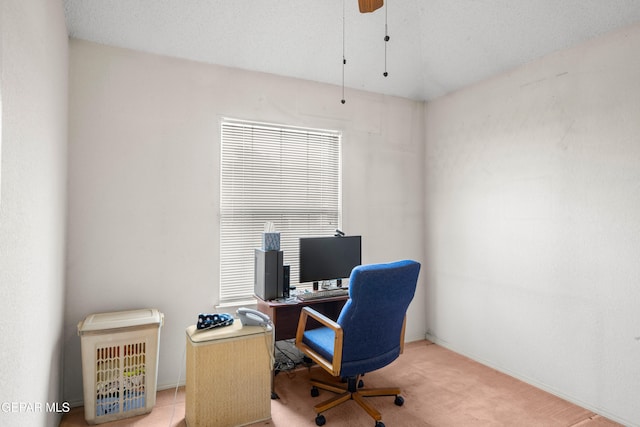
(320, 340)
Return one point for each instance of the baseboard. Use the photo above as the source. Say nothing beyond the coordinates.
(162, 387)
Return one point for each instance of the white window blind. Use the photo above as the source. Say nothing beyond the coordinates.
(289, 176)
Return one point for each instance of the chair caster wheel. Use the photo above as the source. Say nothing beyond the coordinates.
(399, 401)
(379, 424)
(360, 384)
(320, 420)
(315, 393)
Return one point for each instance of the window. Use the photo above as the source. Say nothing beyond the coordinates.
(270, 173)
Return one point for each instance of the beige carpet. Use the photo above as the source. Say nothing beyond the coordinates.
(441, 389)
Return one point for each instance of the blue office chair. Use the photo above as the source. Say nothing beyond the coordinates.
(368, 335)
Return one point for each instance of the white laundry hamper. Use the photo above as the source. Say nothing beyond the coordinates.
(119, 363)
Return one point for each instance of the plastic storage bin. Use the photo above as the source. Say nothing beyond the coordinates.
(119, 363)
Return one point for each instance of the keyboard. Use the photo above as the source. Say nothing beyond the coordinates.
(327, 293)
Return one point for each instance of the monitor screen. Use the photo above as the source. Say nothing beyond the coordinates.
(328, 258)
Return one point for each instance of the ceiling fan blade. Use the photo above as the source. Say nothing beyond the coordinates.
(367, 6)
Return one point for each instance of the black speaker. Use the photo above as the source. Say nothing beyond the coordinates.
(286, 280)
(268, 274)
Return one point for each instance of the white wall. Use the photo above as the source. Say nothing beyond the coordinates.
(33, 66)
(532, 223)
(144, 178)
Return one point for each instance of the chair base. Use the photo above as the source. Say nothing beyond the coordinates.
(351, 392)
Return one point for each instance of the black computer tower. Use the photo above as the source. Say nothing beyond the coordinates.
(268, 276)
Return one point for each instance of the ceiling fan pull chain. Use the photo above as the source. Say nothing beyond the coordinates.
(386, 39)
(344, 60)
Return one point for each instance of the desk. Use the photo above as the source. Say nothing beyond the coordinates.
(285, 315)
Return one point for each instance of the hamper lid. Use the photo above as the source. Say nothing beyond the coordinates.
(121, 319)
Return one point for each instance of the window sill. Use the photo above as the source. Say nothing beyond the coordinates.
(232, 306)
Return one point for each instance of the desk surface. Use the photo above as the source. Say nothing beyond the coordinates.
(278, 303)
(285, 315)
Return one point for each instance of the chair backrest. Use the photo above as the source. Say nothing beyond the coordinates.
(372, 319)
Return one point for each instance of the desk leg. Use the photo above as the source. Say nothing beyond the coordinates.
(274, 395)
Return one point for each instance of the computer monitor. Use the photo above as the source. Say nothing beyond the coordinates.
(328, 258)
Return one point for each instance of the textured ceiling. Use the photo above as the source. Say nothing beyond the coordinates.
(435, 46)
